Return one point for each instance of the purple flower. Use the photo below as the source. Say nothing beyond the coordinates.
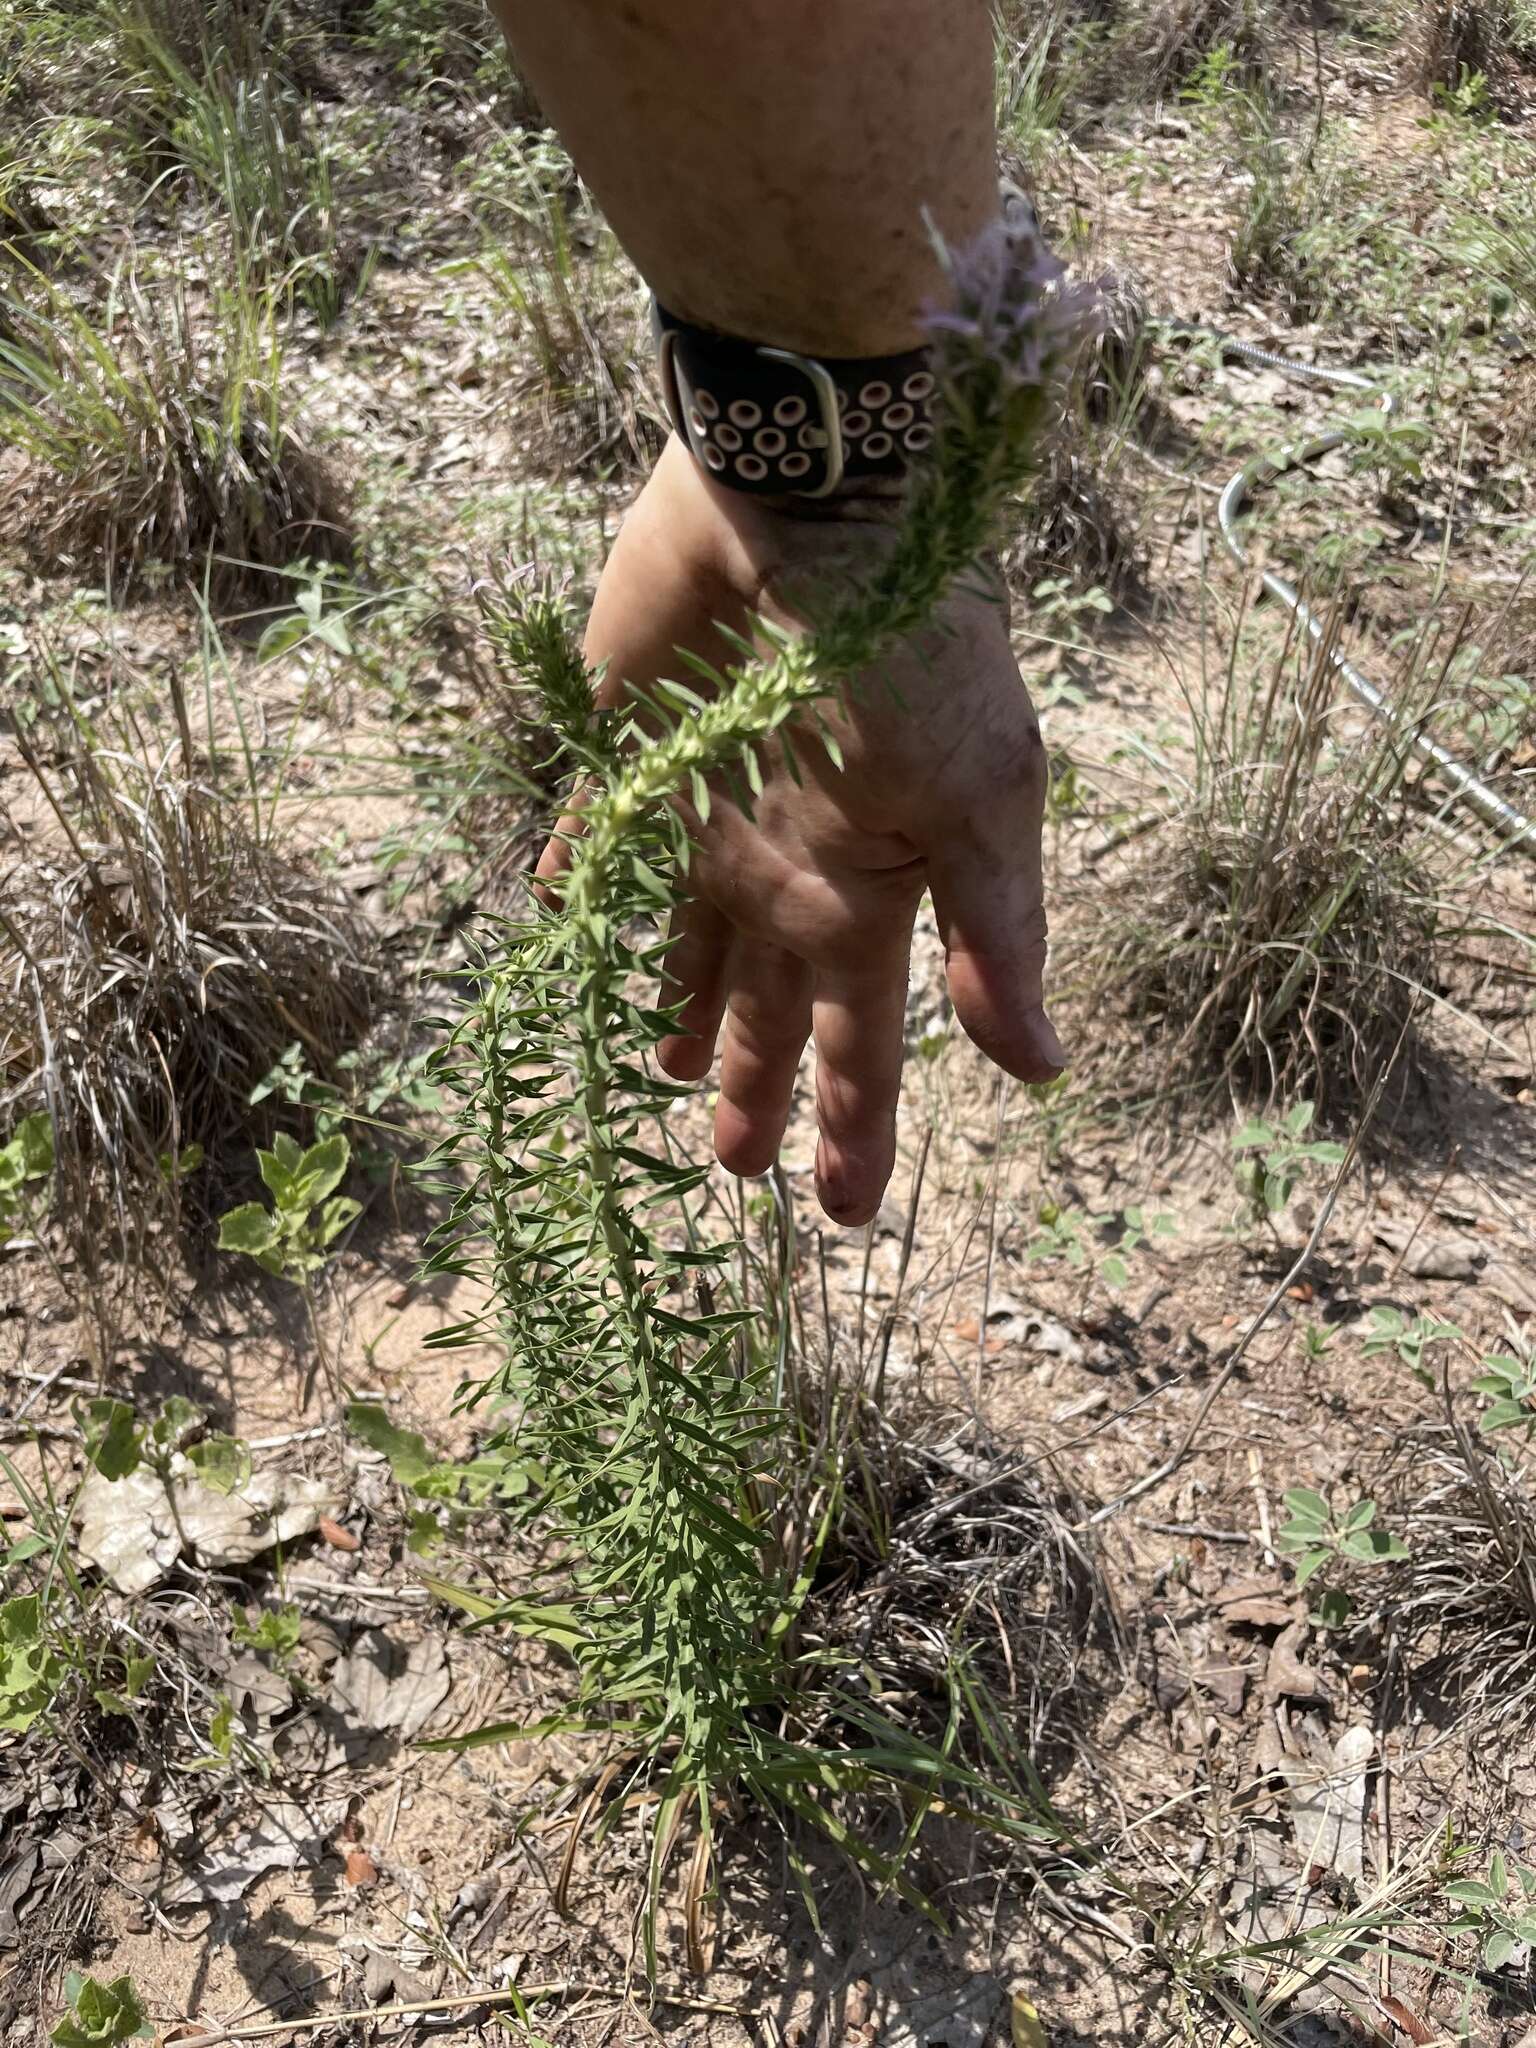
(1010, 305)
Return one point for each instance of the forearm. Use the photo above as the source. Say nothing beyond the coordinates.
(768, 163)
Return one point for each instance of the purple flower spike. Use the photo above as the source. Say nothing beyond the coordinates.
(1010, 305)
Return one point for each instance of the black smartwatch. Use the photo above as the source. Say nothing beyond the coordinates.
(773, 422)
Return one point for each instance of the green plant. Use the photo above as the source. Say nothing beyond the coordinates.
(1317, 1536)
(1045, 71)
(1213, 80)
(432, 43)
(31, 1672)
(1468, 99)
(497, 1477)
(582, 358)
(1463, 54)
(1165, 43)
(1409, 1336)
(293, 1237)
(1510, 1384)
(236, 129)
(1316, 1341)
(1499, 1909)
(648, 1404)
(1056, 612)
(26, 1159)
(273, 1629)
(100, 2015)
(117, 1443)
(1492, 239)
(61, 1650)
(1103, 1244)
(1389, 445)
(1273, 1159)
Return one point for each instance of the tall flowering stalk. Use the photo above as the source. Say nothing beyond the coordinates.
(644, 1407)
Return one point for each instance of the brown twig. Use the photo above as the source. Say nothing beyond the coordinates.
(456, 2001)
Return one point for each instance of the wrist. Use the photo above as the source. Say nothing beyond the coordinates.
(770, 422)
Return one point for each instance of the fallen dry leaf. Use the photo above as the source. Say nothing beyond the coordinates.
(289, 1835)
(1225, 1682)
(336, 1535)
(1404, 2017)
(384, 1684)
(360, 1871)
(1287, 1677)
(1431, 1258)
(129, 1533)
(1254, 1603)
(1026, 2028)
(1327, 1801)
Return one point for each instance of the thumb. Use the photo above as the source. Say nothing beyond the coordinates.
(555, 860)
(991, 917)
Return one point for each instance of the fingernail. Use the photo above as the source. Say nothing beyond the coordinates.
(831, 1190)
(1051, 1048)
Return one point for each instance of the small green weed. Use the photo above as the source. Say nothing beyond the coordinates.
(26, 1165)
(101, 2015)
(31, 1672)
(1317, 1536)
(1499, 1909)
(1510, 1385)
(292, 1238)
(1410, 1337)
(1273, 1159)
(272, 1629)
(497, 1476)
(1097, 1245)
(117, 1444)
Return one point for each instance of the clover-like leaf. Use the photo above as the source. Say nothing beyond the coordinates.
(113, 1438)
(221, 1462)
(249, 1229)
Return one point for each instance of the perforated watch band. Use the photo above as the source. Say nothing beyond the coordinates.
(771, 421)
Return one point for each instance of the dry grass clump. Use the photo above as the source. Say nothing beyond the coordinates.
(1275, 934)
(158, 46)
(158, 954)
(972, 1565)
(154, 442)
(1453, 42)
(1078, 515)
(583, 379)
(1465, 1598)
(1162, 42)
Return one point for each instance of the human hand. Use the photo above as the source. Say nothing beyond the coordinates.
(797, 922)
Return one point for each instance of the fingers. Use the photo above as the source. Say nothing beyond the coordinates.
(769, 1021)
(695, 975)
(858, 1019)
(556, 858)
(993, 927)
(988, 899)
